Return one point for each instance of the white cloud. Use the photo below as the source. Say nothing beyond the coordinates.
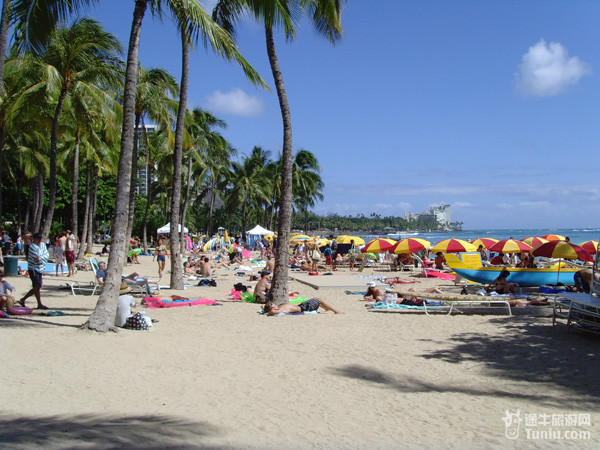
(463, 204)
(546, 69)
(235, 102)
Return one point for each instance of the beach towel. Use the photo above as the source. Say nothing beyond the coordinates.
(440, 275)
(355, 292)
(155, 302)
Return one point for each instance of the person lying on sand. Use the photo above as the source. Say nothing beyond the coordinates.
(309, 305)
(408, 299)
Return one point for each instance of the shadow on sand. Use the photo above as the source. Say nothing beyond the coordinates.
(147, 431)
(524, 350)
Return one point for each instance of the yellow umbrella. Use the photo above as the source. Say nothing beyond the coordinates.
(346, 240)
(534, 241)
(453, 246)
(321, 241)
(299, 238)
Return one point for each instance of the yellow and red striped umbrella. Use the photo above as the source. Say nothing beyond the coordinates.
(299, 238)
(534, 241)
(510, 246)
(453, 246)
(378, 245)
(554, 237)
(562, 249)
(409, 245)
(486, 242)
(590, 246)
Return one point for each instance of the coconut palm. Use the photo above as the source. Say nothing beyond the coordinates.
(78, 58)
(156, 88)
(306, 181)
(248, 181)
(326, 17)
(191, 18)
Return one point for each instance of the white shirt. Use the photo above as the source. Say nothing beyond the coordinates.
(124, 305)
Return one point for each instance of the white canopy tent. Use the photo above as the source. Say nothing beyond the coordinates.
(166, 229)
(259, 231)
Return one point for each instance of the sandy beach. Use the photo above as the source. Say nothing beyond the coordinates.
(225, 376)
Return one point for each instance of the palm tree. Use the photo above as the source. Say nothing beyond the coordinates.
(306, 181)
(190, 17)
(326, 17)
(248, 181)
(155, 89)
(78, 58)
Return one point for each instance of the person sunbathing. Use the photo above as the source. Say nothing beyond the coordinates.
(502, 286)
(408, 299)
(373, 294)
(439, 261)
(262, 287)
(309, 305)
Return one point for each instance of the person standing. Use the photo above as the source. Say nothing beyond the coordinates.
(70, 252)
(59, 254)
(161, 256)
(36, 260)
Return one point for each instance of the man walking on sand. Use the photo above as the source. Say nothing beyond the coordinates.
(36, 260)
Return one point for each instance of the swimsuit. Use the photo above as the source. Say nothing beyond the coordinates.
(310, 305)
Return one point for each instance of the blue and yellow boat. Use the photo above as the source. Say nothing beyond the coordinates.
(470, 267)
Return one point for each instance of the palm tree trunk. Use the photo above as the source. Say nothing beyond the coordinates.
(38, 203)
(279, 286)
(53, 157)
(3, 38)
(19, 209)
(211, 209)
(186, 201)
(103, 317)
(93, 203)
(136, 134)
(86, 213)
(2, 135)
(74, 224)
(176, 264)
(148, 186)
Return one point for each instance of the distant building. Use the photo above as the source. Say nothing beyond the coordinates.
(143, 182)
(441, 214)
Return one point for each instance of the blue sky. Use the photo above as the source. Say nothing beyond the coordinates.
(491, 106)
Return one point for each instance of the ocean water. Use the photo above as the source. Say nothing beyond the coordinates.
(577, 235)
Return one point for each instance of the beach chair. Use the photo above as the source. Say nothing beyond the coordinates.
(90, 287)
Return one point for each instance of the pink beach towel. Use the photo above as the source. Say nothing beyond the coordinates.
(440, 275)
(155, 302)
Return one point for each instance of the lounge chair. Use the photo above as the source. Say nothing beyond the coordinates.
(90, 287)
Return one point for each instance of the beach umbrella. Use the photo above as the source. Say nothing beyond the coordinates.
(554, 237)
(562, 249)
(409, 245)
(453, 246)
(510, 246)
(486, 242)
(346, 240)
(299, 238)
(534, 241)
(378, 245)
(590, 246)
(321, 242)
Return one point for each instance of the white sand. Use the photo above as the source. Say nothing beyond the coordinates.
(225, 376)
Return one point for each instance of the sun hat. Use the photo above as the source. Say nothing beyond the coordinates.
(371, 284)
(124, 289)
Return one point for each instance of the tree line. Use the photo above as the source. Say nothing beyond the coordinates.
(69, 100)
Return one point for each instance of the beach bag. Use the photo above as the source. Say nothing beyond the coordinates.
(136, 322)
(316, 255)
